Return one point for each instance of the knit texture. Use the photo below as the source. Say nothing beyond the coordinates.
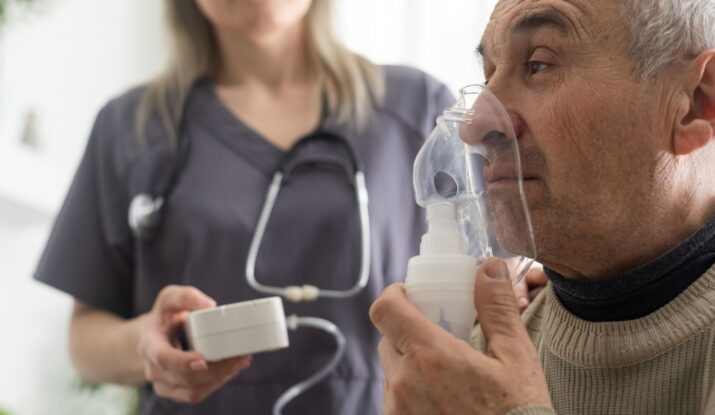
(532, 410)
(659, 364)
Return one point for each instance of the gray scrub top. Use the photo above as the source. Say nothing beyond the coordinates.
(313, 236)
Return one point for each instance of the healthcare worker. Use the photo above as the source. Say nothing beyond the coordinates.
(248, 80)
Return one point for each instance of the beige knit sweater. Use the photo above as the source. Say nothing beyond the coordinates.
(662, 363)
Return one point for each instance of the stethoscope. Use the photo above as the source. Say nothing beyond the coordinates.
(144, 216)
(144, 213)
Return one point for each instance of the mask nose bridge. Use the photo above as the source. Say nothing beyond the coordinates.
(506, 97)
(487, 121)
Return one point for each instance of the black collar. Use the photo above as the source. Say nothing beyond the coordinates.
(643, 290)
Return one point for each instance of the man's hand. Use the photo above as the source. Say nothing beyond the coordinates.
(429, 371)
(183, 376)
(533, 279)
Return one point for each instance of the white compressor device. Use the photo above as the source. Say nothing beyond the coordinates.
(256, 326)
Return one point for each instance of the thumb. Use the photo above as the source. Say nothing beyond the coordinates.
(176, 299)
(496, 307)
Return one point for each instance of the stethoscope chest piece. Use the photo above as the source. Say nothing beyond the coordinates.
(144, 214)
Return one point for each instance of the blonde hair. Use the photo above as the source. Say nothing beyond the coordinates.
(351, 83)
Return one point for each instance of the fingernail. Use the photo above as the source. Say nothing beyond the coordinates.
(198, 365)
(497, 270)
(523, 302)
(208, 303)
(242, 365)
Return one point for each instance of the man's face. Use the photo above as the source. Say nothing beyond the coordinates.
(590, 131)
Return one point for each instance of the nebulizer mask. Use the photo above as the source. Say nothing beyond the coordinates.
(468, 178)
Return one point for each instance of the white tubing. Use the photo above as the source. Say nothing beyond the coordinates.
(293, 323)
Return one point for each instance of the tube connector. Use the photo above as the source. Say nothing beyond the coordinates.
(443, 235)
(297, 293)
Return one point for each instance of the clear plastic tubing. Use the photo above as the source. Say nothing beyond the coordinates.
(293, 323)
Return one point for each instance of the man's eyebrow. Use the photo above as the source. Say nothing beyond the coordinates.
(531, 22)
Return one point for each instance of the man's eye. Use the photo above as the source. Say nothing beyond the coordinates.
(535, 67)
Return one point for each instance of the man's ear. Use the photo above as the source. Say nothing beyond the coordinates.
(697, 127)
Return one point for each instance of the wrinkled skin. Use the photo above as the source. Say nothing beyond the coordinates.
(618, 169)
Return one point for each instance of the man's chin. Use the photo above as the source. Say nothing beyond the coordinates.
(509, 191)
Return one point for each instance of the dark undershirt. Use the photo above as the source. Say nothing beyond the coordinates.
(643, 290)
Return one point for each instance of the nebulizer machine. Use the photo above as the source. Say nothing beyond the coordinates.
(468, 178)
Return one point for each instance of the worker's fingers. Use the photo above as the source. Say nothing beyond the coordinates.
(195, 379)
(401, 323)
(183, 394)
(176, 298)
(223, 372)
(156, 375)
(157, 349)
(497, 309)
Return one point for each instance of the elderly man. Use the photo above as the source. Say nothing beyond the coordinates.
(613, 103)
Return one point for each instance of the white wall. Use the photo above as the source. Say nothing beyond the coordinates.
(437, 36)
(64, 63)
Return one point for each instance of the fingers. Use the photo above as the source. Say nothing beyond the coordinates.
(497, 308)
(536, 277)
(390, 361)
(198, 378)
(158, 350)
(389, 356)
(183, 376)
(521, 292)
(188, 394)
(184, 394)
(195, 386)
(401, 323)
(176, 298)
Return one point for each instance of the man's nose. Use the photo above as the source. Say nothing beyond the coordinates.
(490, 121)
(501, 87)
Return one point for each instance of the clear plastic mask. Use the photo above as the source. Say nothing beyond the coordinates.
(471, 159)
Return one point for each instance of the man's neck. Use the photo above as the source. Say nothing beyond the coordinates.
(642, 290)
(636, 243)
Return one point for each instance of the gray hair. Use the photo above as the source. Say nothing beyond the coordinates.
(666, 31)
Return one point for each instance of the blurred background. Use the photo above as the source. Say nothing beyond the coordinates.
(60, 61)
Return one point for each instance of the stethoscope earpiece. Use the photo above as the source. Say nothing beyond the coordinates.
(144, 214)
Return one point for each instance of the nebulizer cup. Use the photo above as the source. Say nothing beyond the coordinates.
(468, 177)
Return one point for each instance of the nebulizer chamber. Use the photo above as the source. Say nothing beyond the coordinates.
(468, 178)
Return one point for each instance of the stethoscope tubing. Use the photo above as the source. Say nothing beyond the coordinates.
(361, 196)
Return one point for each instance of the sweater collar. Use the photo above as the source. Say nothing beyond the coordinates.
(625, 343)
(643, 290)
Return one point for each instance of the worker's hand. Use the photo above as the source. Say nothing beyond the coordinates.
(533, 279)
(183, 376)
(429, 371)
